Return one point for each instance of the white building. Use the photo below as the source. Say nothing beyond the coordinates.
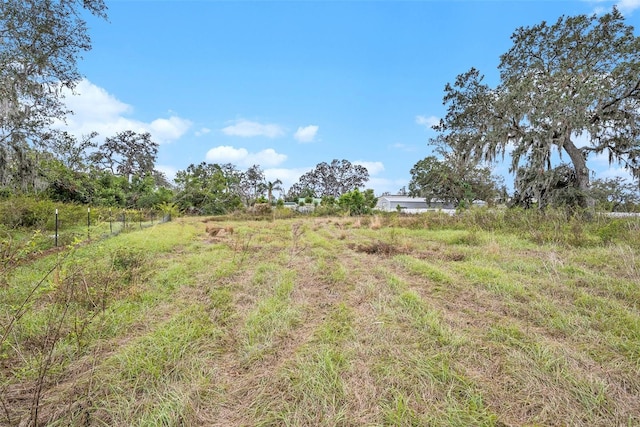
(407, 204)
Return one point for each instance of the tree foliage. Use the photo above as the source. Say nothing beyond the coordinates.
(554, 187)
(271, 187)
(357, 202)
(615, 195)
(252, 185)
(334, 179)
(459, 183)
(579, 76)
(40, 43)
(209, 188)
(128, 154)
(73, 154)
(297, 191)
(19, 169)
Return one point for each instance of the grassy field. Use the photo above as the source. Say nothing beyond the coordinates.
(327, 321)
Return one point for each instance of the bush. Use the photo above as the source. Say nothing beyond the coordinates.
(25, 211)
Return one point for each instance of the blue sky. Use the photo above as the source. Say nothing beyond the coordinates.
(290, 84)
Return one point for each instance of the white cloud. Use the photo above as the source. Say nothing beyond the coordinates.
(625, 6)
(169, 171)
(266, 158)
(169, 129)
(374, 168)
(628, 6)
(428, 122)
(202, 131)
(246, 128)
(86, 97)
(615, 172)
(226, 154)
(243, 158)
(97, 110)
(581, 140)
(306, 134)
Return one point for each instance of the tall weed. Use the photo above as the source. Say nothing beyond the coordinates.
(552, 226)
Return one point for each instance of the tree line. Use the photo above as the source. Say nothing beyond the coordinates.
(568, 91)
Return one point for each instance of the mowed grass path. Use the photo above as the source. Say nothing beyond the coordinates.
(341, 321)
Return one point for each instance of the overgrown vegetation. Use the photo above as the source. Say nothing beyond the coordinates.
(483, 318)
(490, 317)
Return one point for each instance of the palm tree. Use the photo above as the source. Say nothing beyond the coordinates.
(271, 187)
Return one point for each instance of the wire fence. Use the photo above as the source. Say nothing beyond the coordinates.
(102, 225)
(63, 227)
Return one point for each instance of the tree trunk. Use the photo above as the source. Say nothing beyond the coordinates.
(579, 161)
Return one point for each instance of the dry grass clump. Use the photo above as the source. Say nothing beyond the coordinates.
(377, 248)
(376, 223)
(215, 231)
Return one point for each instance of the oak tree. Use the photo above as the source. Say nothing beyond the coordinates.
(208, 188)
(616, 194)
(127, 154)
(459, 183)
(40, 44)
(334, 179)
(576, 78)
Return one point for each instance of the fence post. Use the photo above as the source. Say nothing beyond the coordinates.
(110, 222)
(124, 221)
(56, 234)
(88, 223)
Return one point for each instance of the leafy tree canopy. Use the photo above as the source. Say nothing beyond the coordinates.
(457, 182)
(252, 185)
(357, 202)
(554, 187)
(209, 188)
(615, 195)
(40, 42)
(297, 191)
(334, 179)
(579, 76)
(128, 154)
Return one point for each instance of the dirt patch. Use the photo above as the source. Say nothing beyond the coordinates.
(378, 248)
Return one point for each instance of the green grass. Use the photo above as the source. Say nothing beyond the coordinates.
(424, 268)
(487, 319)
(274, 316)
(312, 384)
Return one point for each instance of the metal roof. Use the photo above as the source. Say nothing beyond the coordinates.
(403, 199)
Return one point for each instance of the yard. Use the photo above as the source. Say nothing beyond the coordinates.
(327, 321)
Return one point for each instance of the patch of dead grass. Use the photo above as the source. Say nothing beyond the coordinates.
(377, 248)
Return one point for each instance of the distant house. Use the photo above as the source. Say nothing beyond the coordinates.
(409, 204)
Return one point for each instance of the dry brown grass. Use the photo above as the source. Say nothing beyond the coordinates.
(334, 322)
